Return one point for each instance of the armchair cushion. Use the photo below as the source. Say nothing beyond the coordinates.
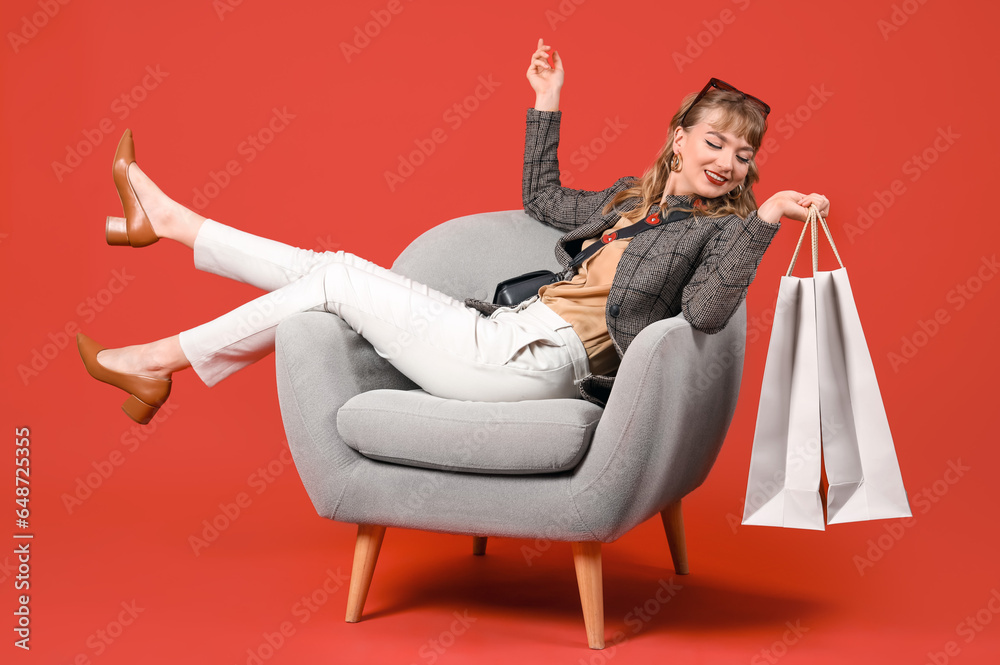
(414, 428)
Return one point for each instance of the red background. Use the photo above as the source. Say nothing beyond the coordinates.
(321, 183)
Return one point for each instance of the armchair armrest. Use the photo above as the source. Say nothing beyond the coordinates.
(664, 424)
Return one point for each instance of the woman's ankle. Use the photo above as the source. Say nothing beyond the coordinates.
(159, 359)
(187, 226)
(168, 218)
(166, 356)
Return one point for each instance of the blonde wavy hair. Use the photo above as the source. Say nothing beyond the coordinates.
(740, 117)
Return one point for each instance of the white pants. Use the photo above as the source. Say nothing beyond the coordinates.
(448, 349)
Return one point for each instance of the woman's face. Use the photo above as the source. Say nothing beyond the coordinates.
(714, 162)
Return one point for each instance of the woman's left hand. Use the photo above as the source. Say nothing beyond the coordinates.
(792, 204)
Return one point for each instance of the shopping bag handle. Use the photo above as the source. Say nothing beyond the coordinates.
(813, 221)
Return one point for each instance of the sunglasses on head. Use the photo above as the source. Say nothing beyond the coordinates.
(722, 85)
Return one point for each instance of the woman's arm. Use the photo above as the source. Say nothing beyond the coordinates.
(728, 262)
(726, 267)
(545, 79)
(792, 204)
(543, 196)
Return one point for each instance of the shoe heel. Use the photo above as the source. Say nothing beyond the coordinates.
(138, 410)
(115, 230)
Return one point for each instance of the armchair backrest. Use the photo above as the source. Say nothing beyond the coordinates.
(468, 256)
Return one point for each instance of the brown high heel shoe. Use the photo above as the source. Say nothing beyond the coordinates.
(134, 228)
(146, 393)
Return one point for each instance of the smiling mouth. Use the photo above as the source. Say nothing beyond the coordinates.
(715, 178)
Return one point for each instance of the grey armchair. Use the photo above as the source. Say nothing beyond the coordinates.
(374, 450)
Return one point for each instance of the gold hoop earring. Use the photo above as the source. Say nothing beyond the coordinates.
(738, 190)
(676, 162)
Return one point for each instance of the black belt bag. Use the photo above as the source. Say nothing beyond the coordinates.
(518, 289)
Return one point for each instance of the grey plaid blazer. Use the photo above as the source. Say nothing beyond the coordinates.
(701, 266)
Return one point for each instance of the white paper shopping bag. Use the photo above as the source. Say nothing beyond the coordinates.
(819, 385)
(783, 486)
(860, 458)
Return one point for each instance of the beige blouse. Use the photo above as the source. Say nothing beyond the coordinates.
(582, 301)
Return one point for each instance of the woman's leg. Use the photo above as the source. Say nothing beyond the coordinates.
(448, 349)
(219, 249)
(168, 218)
(445, 347)
(266, 264)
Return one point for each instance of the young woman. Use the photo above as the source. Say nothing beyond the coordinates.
(565, 341)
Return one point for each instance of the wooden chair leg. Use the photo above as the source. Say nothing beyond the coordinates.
(587, 558)
(366, 549)
(479, 545)
(673, 524)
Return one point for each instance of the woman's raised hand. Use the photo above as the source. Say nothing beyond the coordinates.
(792, 204)
(545, 79)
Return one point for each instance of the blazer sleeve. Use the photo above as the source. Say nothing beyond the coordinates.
(544, 198)
(726, 267)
